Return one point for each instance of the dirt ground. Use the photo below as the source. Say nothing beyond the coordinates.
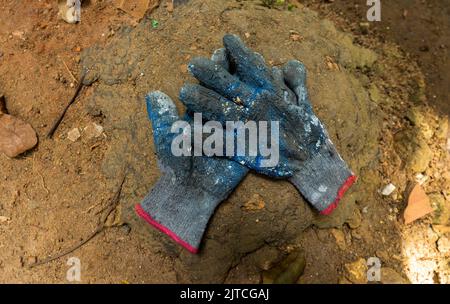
(387, 119)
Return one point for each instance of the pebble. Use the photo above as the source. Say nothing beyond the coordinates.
(443, 245)
(74, 134)
(388, 189)
(421, 178)
(356, 272)
(93, 130)
(4, 219)
(340, 238)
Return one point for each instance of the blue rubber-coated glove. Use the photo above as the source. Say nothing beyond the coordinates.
(190, 188)
(183, 200)
(307, 157)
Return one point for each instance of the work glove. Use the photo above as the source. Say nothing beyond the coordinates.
(307, 157)
(190, 188)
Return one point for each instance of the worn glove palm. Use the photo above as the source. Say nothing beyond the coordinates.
(307, 155)
(190, 188)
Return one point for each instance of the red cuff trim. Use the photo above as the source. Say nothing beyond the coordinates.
(163, 229)
(348, 183)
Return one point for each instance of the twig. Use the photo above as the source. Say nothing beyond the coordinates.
(43, 183)
(61, 116)
(101, 226)
(68, 70)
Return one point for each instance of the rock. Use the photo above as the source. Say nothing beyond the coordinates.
(138, 8)
(356, 272)
(443, 245)
(4, 219)
(256, 202)
(390, 276)
(355, 220)
(339, 236)
(441, 229)
(418, 205)
(69, 11)
(31, 260)
(413, 149)
(74, 134)
(441, 209)
(388, 189)
(442, 130)
(93, 130)
(419, 119)
(16, 136)
(375, 94)
(364, 26)
(420, 160)
(421, 178)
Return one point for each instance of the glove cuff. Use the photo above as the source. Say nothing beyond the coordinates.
(323, 179)
(181, 211)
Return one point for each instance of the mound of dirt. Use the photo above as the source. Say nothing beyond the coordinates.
(144, 58)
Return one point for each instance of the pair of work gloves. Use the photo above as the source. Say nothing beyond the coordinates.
(237, 85)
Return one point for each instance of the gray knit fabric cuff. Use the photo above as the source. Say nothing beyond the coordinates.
(180, 211)
(324, 179)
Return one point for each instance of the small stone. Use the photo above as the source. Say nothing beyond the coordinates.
(68, 12)
(74, 134)
(388, 189)
(184, 68)
(16, 136)
(414, 150)
(441, 209)
(390, 276)
(93, 130)
(421, 178)
(138, 8)
(356, 272)
(375, 94)
(170, 7)
(442, 130)
(364, 26)
(441, 229)
(31, 260)
(355, 220)
(4, 219)
(340, 238)
(443, 245)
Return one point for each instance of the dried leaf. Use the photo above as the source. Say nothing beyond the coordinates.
(418, 205)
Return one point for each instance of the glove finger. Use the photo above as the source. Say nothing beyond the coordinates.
(215, 77)
(220, 57)
(295, 77)
(163, 114)
(251, 68)
(278, 77)
(213, 106)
